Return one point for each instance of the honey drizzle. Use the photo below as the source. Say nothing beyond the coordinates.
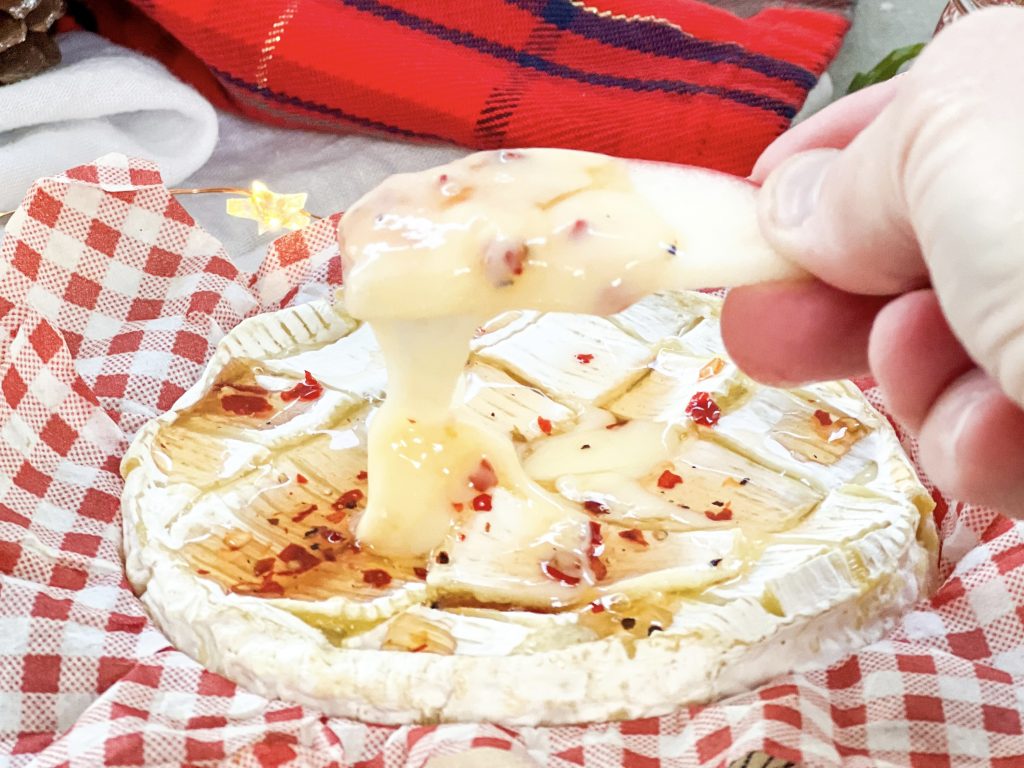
(302, 520)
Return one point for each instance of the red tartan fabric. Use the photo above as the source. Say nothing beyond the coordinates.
(111, 301)
(673, 80)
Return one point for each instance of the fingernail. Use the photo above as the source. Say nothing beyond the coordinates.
(795, 186)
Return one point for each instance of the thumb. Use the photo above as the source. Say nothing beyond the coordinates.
(931, 191)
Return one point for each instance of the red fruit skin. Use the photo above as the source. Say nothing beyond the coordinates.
(484, 477)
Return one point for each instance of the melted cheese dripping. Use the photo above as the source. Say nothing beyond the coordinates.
(427, 258)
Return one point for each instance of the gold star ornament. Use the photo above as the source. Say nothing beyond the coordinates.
(272, 211)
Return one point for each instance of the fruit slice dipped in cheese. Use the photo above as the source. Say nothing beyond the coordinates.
(597, 516)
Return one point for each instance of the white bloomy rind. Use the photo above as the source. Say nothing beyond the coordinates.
(802, 607)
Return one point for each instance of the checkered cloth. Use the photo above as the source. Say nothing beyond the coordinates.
(111, 300)
(675, 80)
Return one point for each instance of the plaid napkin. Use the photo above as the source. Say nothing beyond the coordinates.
(675, 80)
(111, 301)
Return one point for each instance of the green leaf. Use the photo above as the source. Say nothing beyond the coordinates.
(886, 68)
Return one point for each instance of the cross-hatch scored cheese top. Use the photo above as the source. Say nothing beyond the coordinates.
(656, 471)
(597, 501)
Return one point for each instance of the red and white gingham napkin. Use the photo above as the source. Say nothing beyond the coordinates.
(111, 300)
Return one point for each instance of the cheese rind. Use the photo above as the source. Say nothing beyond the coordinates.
(814, 560)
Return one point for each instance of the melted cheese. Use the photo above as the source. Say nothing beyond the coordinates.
(428, 257)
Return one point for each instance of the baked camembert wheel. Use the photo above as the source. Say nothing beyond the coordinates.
(615, 521)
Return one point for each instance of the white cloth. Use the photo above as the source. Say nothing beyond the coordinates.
(101, 98)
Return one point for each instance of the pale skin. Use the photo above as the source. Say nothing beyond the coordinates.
(906, 201)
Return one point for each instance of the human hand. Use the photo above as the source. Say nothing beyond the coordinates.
(906, 200)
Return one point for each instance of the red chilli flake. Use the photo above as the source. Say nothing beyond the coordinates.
(719, 516)
(270, 587)
(544, 424)
(362, 475)
(301, 479)
(594, 550)
(552, 572)
(703, 409)
(297, 559)
(824, 417)
(483, 478)
(595, 507)
(377, 578)
(635, 535)
(579, 228)
(310, 389)
(348, 500)
(202, 572)
(585, 358)
(482, 502)
(457, 506)
(596, 546)
(597, 607)
(304, 513)
(245, 405)
(669, 480)
(266, 565)
(421, 573)
(331, 537)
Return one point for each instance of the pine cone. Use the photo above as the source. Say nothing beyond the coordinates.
(25, 47)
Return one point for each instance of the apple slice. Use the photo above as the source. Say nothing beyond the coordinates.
(715, 216)
(551, 230)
